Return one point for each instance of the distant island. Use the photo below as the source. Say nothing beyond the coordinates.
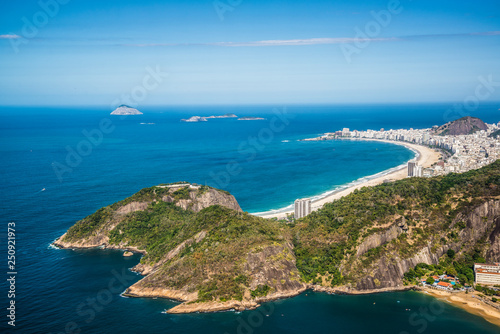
(223, 116)
(126, 110)
(251, 119)
(206, 118)
(195, 119)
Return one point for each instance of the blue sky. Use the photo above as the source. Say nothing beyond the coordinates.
(74, 52)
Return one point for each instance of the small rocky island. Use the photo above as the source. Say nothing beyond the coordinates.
(251, 119)
(194, 119)
(206, 118)
(126, 110)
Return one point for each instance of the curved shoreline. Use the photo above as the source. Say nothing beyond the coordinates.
(425, 156)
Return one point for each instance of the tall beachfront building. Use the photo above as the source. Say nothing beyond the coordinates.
(411, 168)
(302, 207)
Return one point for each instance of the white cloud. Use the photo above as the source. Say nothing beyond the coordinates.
(316, 41)
(284, 42)
(310, 41)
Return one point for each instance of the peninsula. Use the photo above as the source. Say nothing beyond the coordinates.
(126, 110)
(201, 249)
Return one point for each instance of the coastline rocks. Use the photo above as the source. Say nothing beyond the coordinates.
(213, 307)
(127, 254)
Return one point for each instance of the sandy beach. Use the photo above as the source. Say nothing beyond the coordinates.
(425, 157)
(469, 303)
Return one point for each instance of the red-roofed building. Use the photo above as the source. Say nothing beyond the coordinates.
(445, 284)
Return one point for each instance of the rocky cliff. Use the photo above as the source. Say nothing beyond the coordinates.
(481, 223)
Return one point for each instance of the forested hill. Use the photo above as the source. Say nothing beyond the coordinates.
(370, 238)
(201, 249)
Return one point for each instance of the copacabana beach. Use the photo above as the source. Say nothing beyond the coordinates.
(425, 156)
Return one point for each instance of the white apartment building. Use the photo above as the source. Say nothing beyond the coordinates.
(487, 274)
(302, 207)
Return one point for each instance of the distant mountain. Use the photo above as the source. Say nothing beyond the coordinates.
(462, 126)
(126, 110)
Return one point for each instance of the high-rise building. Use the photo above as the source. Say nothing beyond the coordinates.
(411, 168)
(418, 171)
(302, 207)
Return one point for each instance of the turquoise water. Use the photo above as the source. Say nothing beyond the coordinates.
(260, 162)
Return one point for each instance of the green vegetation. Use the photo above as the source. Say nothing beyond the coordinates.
(182, 193)
(260, 291)
(487, 291)
(89, 225)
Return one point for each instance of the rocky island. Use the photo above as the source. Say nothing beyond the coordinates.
(194, 119)
(205, 118)
(251, 119)
(200, 248)
(126, 110)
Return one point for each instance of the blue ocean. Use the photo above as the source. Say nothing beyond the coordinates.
(61, 164)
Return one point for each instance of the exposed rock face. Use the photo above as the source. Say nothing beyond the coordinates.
(275, 266)
(132, 207)
(198, 202)
(482, 221)
(391, 271)
(462, 126)
(379, 239)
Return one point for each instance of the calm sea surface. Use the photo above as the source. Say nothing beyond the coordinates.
(61, 164)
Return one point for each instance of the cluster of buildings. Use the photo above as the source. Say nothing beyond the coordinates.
(467, 151)
(443, 282)
(302, 207)
(484, 274)
(487, 274)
